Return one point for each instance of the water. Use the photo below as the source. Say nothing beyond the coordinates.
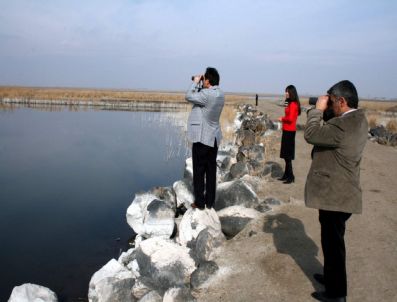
(66, 180)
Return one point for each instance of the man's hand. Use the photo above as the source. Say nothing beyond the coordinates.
(322, 102)
(197, 78)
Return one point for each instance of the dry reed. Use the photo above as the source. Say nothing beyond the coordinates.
(96, 95)
(372, 120)
(227, 122)
(391, 126)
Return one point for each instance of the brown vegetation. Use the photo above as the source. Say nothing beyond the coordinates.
(391, 126)
(227, 122)
(97, 95)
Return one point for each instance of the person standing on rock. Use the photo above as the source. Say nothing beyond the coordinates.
(287, 150)
(333, 182)
(204, 132)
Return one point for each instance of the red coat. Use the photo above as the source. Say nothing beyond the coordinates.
(291, 115)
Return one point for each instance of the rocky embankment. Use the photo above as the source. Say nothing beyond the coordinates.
(175, 245)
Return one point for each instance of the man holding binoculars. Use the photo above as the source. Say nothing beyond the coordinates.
(204, 132)
(333, 182)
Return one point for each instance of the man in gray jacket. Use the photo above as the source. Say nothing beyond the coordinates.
(204, 131)
(333, 182)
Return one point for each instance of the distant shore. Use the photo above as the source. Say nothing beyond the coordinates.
(120, 99)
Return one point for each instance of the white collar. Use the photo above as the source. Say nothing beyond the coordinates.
(351, 110)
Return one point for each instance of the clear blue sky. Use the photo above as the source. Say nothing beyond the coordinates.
(258, 46)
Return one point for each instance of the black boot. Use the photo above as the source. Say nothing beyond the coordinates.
(284, 177)
(289, 172)
(290, 179)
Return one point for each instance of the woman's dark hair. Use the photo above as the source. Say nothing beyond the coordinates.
(347, 90)
(293, 96)
(212, 75)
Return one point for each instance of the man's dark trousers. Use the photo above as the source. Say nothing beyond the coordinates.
(333, 225)
(204, 167)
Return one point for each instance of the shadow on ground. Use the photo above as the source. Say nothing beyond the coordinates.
(290, 238)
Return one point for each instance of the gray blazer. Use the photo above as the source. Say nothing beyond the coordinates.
(333, 182)
(203, 123)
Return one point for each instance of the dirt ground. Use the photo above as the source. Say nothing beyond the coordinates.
(274, 257)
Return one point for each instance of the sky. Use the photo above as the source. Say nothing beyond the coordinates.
(258, 46)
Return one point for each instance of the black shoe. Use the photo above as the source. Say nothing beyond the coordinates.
(289, 180)
(319, 278)
(284, 177)
(322, 296)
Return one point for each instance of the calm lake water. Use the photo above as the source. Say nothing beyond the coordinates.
(66, 181)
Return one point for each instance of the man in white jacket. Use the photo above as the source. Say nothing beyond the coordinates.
(204, 132)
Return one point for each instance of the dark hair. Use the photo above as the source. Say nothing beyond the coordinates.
(212, 75)
(347, 90)
(293, 96)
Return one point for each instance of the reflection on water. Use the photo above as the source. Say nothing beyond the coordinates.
(66, 180)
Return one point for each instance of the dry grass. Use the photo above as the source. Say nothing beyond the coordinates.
(371, 105)
(227, 122)
(377, 105)
(391, 126)
(77, 94)
(372, 120)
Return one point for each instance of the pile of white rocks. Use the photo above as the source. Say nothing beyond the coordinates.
(172, 253)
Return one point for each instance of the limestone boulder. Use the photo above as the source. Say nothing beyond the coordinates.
(235, 192)
(32, 292)
(235, 218)
(272, 169)
(151, 217)
(223, 160)
(178, 294)
(204, 247)
(152, 296)
(194, 221)
(239, 169)
(113, 282)
(184, 193)
(165, 263)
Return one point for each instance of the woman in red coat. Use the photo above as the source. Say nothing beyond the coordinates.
(292, 110)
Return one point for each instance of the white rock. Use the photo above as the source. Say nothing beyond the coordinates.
(150, 216)
(184, 194)
(166, 263)
(152, 296)
(140, 289)
(236, 192)
(235, 218)
(134, 268)
(178, 295)
(194, 221)
(238, 211)
(113, 282)
(126, 257)
(135, 212)
(32, 293)
(138, 240)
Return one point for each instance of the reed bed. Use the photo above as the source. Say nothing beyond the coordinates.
(97, 95)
